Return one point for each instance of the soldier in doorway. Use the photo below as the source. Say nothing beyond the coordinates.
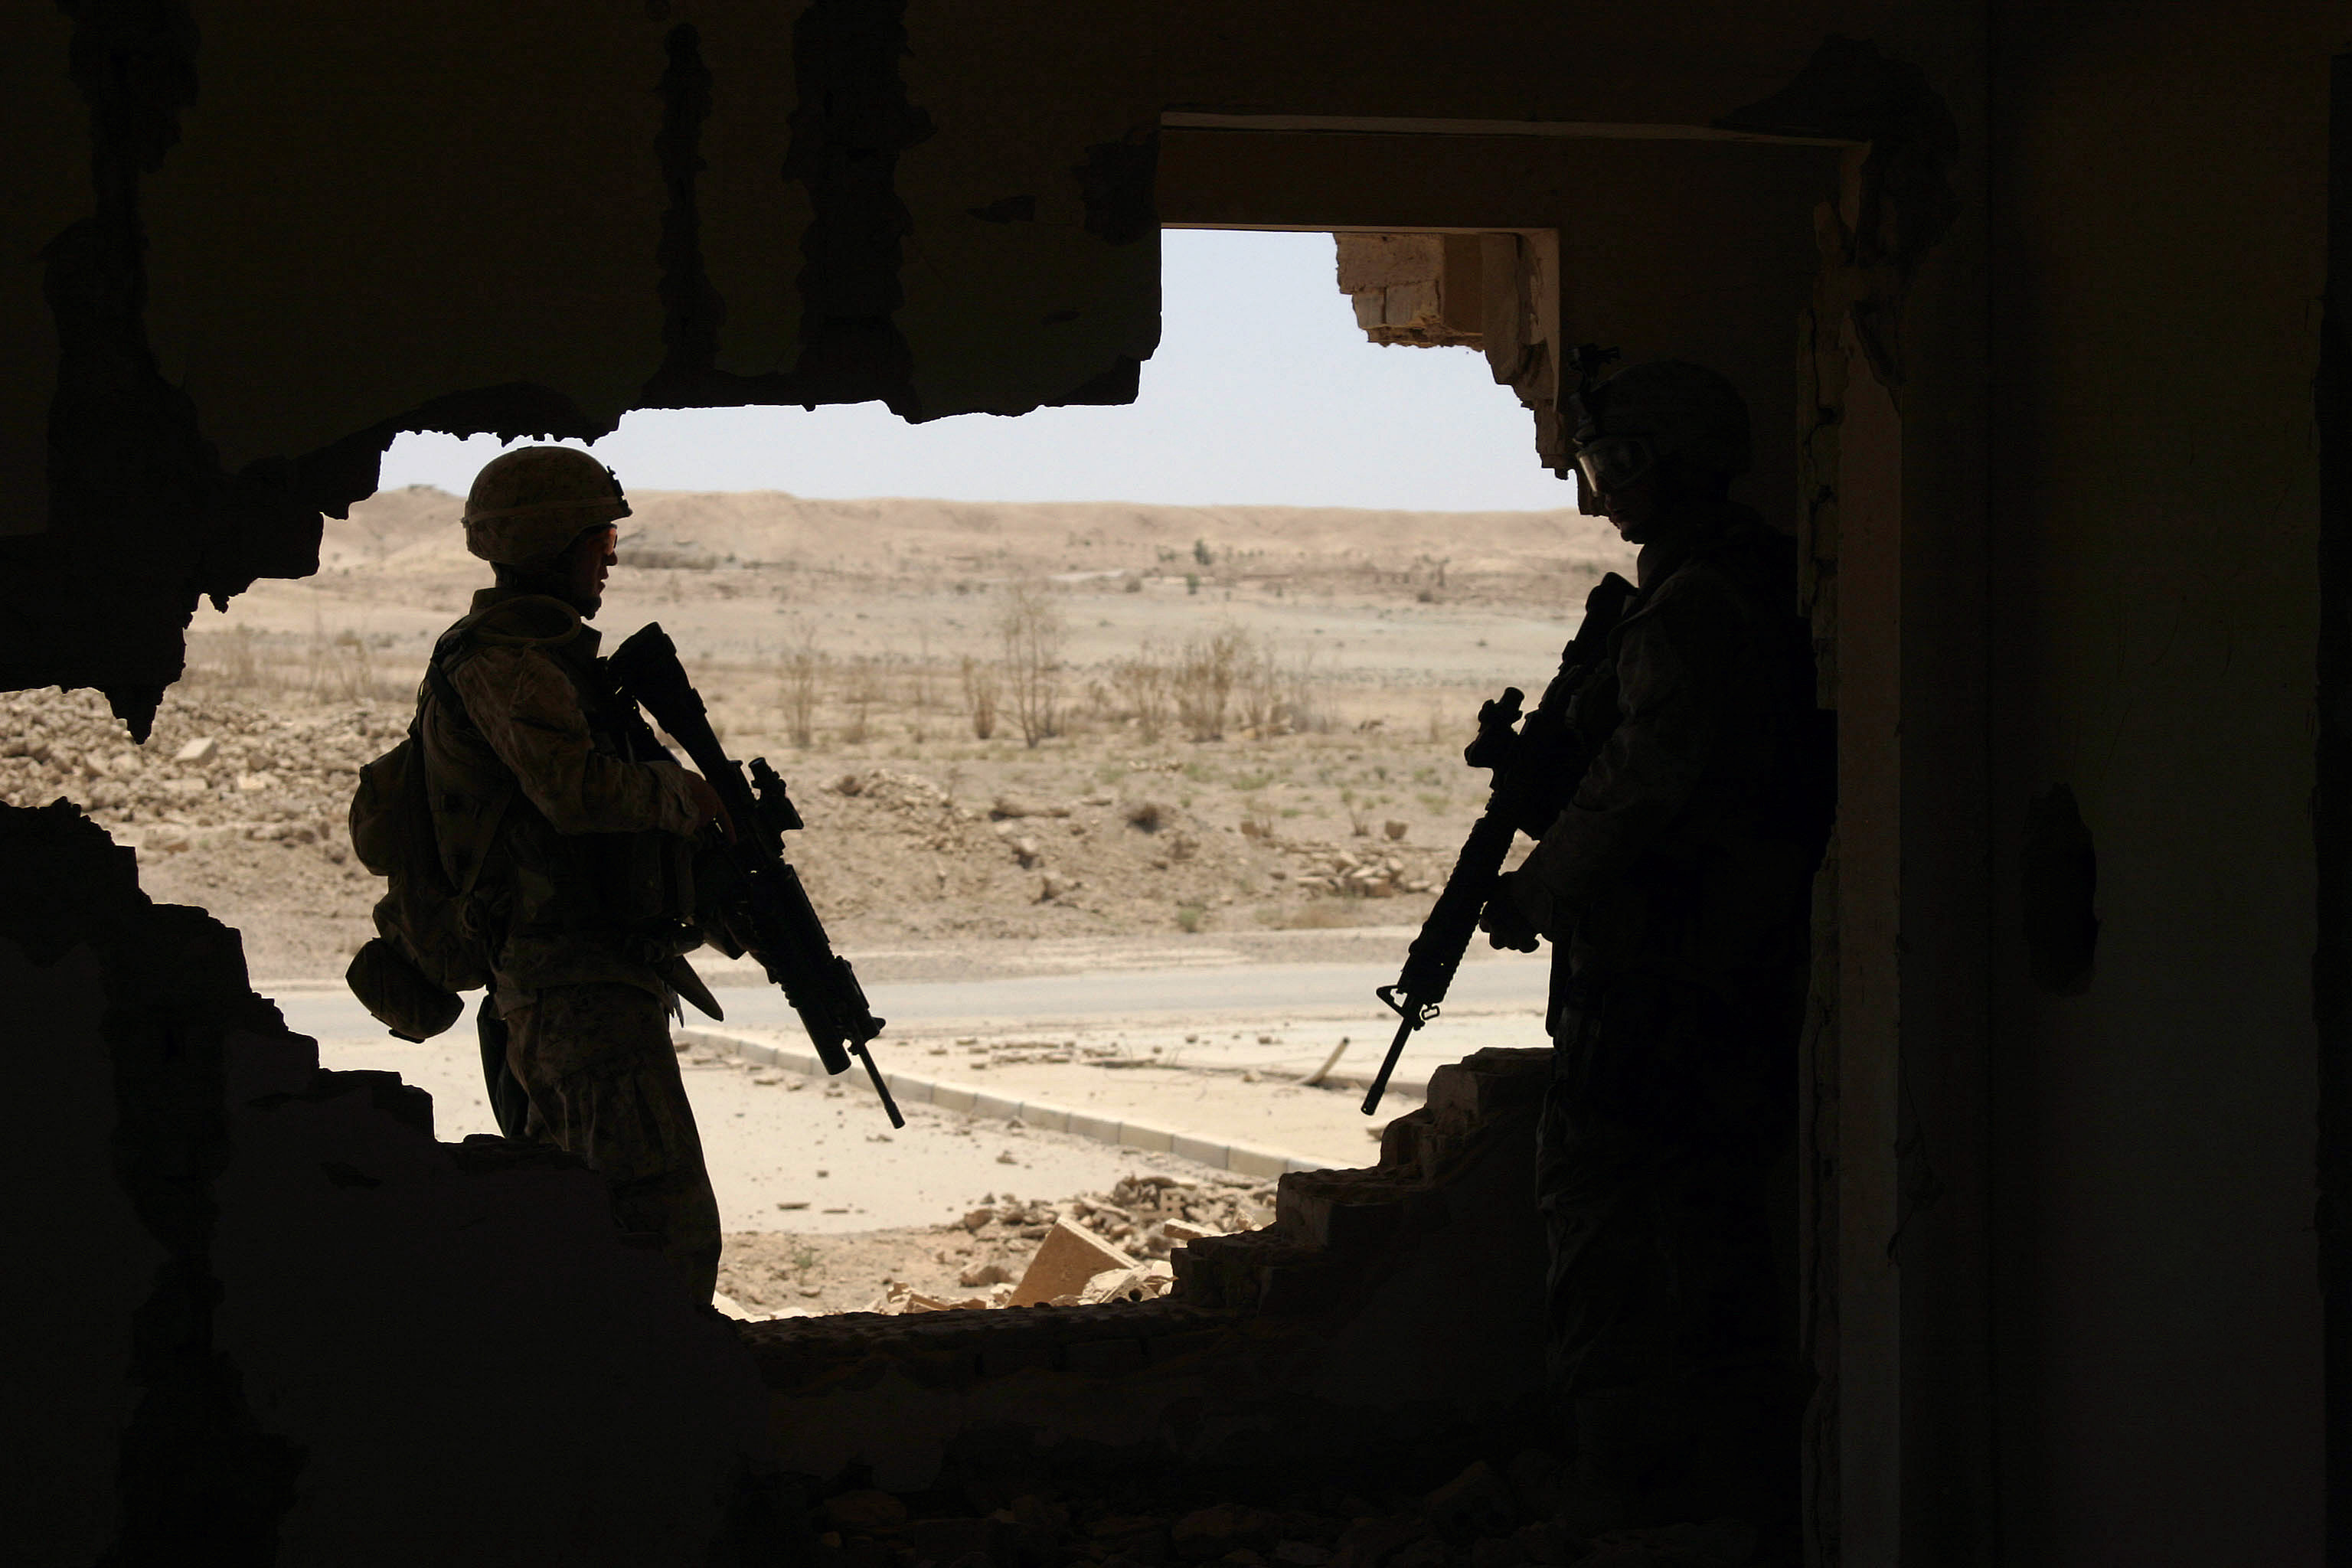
(1675, 888)
(575, 846)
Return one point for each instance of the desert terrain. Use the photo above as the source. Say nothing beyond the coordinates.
(1025, 738)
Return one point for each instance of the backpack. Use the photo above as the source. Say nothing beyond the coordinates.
(428, 945)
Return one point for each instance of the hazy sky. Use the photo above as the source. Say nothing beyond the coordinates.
(1264, 391)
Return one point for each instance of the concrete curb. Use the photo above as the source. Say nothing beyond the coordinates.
(1242, 1159)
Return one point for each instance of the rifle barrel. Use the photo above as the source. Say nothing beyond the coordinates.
(1405, 1026)
(880, 1088)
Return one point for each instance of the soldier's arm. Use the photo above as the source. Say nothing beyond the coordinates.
(1668, 678)
(526, 707)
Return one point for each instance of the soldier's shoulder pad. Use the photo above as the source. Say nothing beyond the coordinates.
(533, 621)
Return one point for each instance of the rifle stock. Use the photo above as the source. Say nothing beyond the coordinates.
(771, 917)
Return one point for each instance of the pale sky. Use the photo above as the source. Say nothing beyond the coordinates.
(1263, 392)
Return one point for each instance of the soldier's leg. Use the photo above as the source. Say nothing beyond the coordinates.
(604, 1083)
(1609, 1284)
(1663, 1319)
(1724, 1114)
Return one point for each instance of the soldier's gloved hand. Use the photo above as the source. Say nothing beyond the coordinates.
(707, 807)
(1505, 921)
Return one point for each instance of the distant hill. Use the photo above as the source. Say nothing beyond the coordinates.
(416, 529)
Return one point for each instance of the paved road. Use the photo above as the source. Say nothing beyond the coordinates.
(1513, 983)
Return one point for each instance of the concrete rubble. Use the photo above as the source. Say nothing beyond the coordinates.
(1083, 1251)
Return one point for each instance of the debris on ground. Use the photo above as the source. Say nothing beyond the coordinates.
(1115, 1244)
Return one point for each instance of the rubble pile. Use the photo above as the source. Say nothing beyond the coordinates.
(1365, 873)
(217, 766)
(1489, 1515)
(1095, 1248)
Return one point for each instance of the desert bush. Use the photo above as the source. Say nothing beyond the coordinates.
(979, 695)
(1146, 815)
(241, 660)
(1142, 683)
(803, 672)
(1274, 696)
(920, 695)
(1189, 916)
(1030, 630)
(861, 692)
(1203, 681)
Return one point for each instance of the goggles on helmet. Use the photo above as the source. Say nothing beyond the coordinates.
(1612, 462)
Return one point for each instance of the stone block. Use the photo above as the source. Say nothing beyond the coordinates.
(1063, 1262)
(952, 1096)
(1050, 1118)
(998, 1106)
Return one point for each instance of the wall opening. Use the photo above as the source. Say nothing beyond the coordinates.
(1084, 706)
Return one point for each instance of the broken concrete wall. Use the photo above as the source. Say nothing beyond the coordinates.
(279, 1322)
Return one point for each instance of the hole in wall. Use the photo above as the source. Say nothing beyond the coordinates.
(1121, 692)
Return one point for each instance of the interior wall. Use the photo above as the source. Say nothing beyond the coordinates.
(2159, 225)
(2332, 807)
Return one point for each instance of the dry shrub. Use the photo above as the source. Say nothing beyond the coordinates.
(979, 695)
(861, 692)
(1146, 815)
(1031, 631)
(240, 666)
(1203, 681)
(803, 672)
(1141, 684)
(1276, 697)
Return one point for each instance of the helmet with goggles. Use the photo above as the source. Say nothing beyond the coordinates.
(1626, 424)
(528, 504)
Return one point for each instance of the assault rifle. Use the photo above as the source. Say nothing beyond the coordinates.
(767, 912)
(1535, 768)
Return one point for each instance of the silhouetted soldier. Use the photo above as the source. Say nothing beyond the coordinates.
(1674, 887)
(577, 848)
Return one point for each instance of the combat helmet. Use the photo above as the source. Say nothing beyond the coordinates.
(1645, 412)
(528, 504)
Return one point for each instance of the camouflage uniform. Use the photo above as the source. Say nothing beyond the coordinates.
(1676, 886)
(574, 842)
